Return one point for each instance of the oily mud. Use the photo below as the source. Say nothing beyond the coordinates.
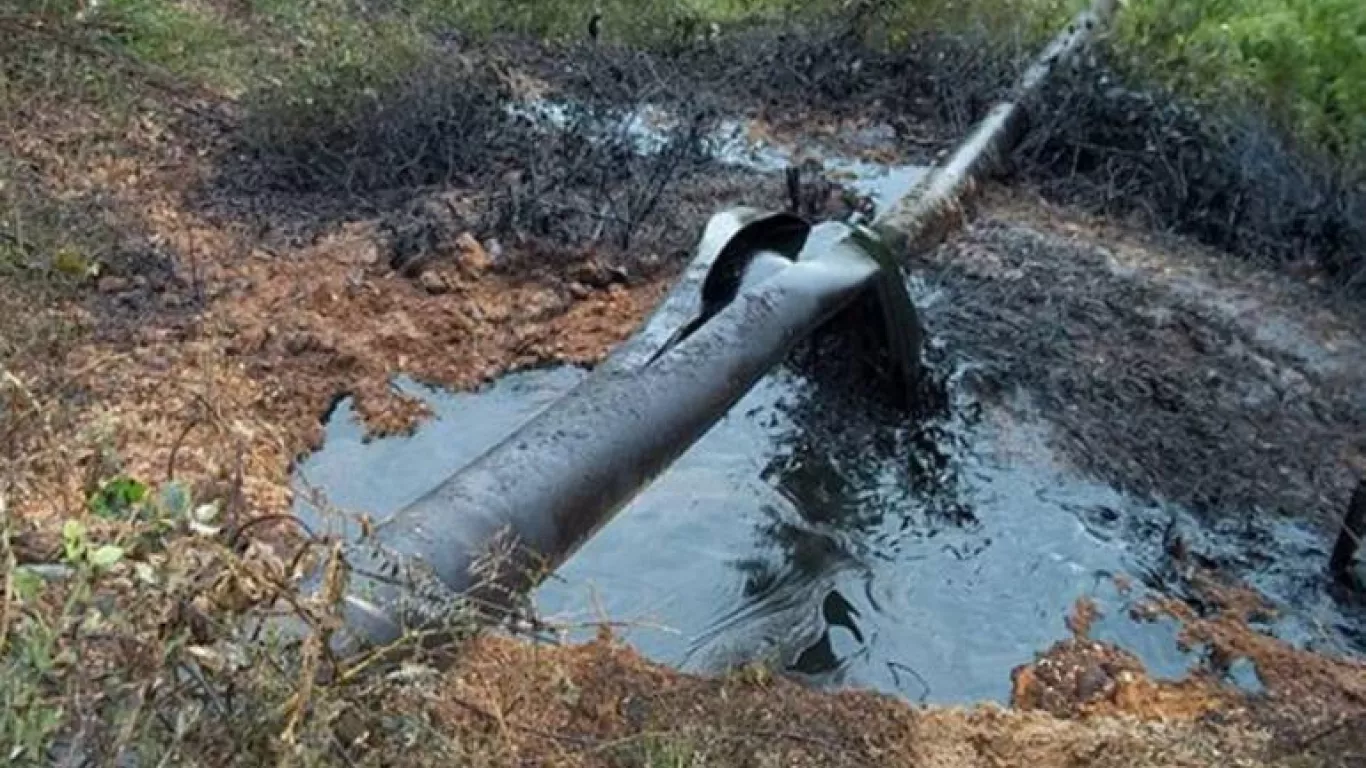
(841, 554)
(1171, 372)
(1101, 140)
(819, 531)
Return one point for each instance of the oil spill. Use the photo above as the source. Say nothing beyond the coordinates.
(353, 475)
(840, 541)
(647, 130)
(922, 560)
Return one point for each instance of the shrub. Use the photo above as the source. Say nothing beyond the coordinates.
(1302, 61)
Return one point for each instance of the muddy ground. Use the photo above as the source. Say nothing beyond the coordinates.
(1172, 371)
(237, 304)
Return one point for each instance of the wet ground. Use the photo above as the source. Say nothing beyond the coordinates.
(819, 531)
(762, 544)
(1116, 411)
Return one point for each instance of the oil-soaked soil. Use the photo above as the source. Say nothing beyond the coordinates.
(1170, 372)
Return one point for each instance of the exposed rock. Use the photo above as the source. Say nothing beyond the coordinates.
(433, 283)
(596, 275)
(473, 257)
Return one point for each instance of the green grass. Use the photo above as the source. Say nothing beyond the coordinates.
(659, 751)
(185, 39)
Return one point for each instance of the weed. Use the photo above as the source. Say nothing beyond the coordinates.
(1227, 179)
(1300, 62)
(188, 40)
(160, 629)
(658, 751)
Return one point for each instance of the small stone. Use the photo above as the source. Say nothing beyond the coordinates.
(433, 283)
(579, 291)
(369, 254)
(299, 343)
(113, 284)
(1093, 682)
(597, 275)
(472, 255)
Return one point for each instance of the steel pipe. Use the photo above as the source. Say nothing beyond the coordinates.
(497, 525)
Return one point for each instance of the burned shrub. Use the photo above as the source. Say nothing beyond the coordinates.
(602, 176)
(1228, 180)
(451, 148)
(442, 121)
(952, 80)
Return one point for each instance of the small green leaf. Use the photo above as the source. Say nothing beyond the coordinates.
(73, 540)
(73, 530)
(27, 584)
(117, 497)
(107, 556)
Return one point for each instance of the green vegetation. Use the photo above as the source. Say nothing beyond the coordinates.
(129, 640)
(1302, 61)
(658, 751)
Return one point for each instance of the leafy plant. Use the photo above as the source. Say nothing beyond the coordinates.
(117, 498)
(1302, 61)
(79, 551)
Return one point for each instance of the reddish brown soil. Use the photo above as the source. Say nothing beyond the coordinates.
(601, 705)
(238, 357)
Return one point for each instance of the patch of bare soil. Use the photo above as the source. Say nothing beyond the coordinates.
(601, 705)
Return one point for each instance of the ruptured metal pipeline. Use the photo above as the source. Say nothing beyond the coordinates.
(535, 497)
(499, 524)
